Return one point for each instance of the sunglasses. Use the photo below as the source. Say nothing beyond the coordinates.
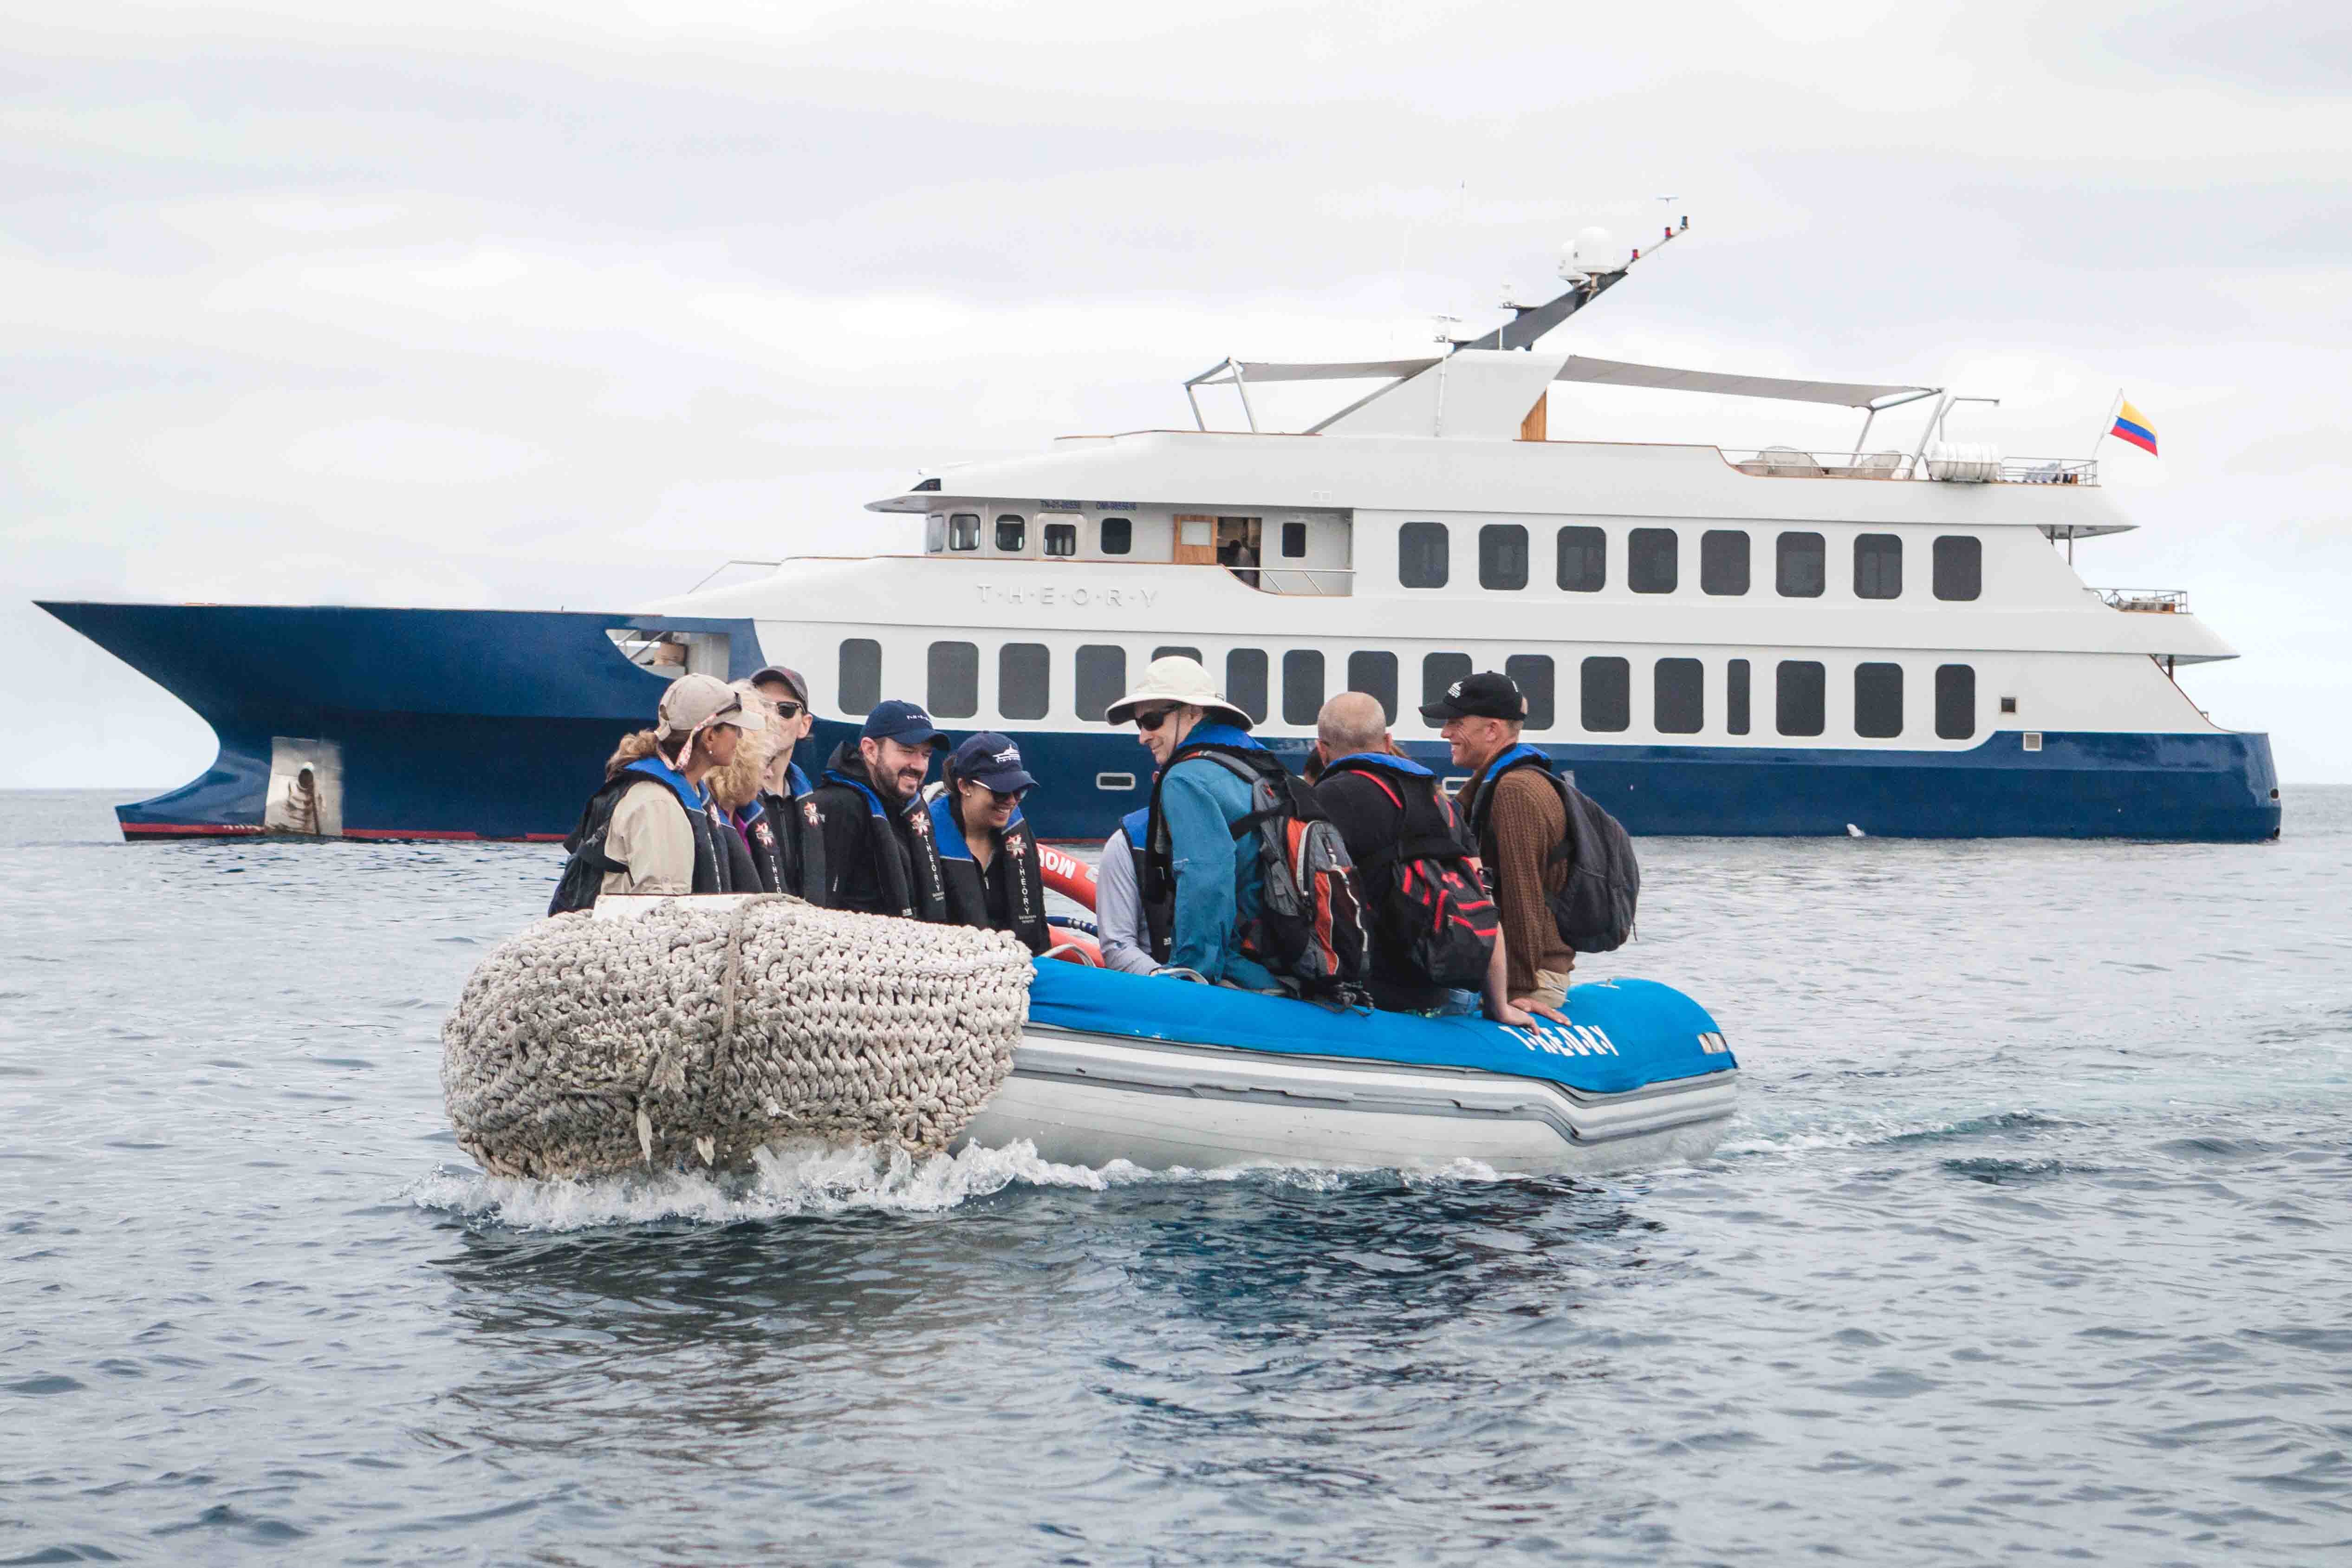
(788, 711)
(1152, 721)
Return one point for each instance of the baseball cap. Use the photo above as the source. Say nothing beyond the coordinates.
(791, 677)
(993, 761)
(903, 723)
(1489, 694)
(695, 702)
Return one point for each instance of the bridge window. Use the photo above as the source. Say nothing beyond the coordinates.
(1680, 696)
(1533, 672)
(1734, 696)
(1798, 705)
(1302, 686)
(1245, 681)
(1061, 539)
(1801, 568)
(1608, 694)
(1439, 671)
(1118, 535)
(1502, 556)
(1102, 680)
(1877, 566)
(1011, 534)
(954, 680)
(861, 674)
(1722, 561)
(1024, 680)
(1422, 555)
(1956, 701)
(1294, 540)
(1959, 568)
(1878, 700)
(1653, 561)
(1583, 559)
(1376, 674)
(964, 531)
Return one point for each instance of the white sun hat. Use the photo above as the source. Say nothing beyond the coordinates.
(1176, 679)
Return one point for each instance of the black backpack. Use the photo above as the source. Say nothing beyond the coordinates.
(1594, 910)
(583, 873)
(1435, 918)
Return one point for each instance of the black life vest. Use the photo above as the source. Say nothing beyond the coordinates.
(1159, 913)
(1594, 910)
(787, 839)
(583, 873)
(895, 845)
(967, 884)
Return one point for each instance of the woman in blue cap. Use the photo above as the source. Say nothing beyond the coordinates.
(988, 857)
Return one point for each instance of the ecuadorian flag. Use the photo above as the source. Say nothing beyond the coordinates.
(2131, 425)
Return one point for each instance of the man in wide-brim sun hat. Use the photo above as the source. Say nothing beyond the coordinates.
(1183, 719)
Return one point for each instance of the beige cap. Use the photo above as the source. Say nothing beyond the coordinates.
(695, 702)
(1176, 679)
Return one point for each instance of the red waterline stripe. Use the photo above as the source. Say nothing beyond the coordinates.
(242, 829)
(187, 830)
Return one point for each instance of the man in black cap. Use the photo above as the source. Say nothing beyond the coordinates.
(987, 853)
(1515, 808)
(879, 853)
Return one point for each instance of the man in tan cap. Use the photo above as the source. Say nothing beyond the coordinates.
(648, 829)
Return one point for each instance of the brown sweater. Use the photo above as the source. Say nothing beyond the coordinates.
(1527, 821)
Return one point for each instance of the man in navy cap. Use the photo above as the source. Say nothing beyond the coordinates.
(880, 853)
(987, 853)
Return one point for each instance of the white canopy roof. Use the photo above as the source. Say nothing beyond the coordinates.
(1601, 371)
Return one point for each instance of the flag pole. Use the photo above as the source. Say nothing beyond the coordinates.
(2108, 426)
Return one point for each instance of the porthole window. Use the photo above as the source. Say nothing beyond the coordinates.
(1302, 686)
(1375, 673)
(1061, 539)
(1533, 672)
(1878, 700)
(1801, 566)
(1959, 568)
(1012, 534)
(1653, 561)
(1734, 696)
(1583, 559)
(1502, 556)
(964, 531)
(861, 674)
(1797, 702)
(954, 680)
(1245, 681)
(1102, 680)
(1421, 555)
(1877, 566)
(1608, 694)
(1294, 540)
(1024, 685)
(1956, 701)
(935, 533)
(1679, 706)
(1118, 535)
(1723, 561)
(1439, 671)
(1172, 651)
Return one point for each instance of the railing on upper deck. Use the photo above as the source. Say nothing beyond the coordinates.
(1314, 582)
(1795, 463)
(2145, 600)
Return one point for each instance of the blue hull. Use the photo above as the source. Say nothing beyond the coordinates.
(496, 724)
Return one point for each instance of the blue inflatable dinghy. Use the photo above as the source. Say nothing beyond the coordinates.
(1162, 1074)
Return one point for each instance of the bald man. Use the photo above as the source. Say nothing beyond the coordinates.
(1390, 810)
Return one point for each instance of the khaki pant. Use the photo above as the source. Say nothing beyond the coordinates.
(1550, 988)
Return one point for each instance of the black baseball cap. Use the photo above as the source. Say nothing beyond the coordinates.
(903, 723)
(993, 761)
(1489, 694)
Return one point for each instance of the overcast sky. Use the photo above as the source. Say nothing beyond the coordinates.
(512, 305)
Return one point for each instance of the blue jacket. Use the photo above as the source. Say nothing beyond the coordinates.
(1217, 877)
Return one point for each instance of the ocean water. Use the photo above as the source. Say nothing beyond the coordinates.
(2034, 1241)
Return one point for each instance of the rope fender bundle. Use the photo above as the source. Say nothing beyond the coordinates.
(584, 1047)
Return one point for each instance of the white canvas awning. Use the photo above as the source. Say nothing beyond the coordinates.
(1599, 372)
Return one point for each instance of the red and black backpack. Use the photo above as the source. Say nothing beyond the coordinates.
(1434, 923)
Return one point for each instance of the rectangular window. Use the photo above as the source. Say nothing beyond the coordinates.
(1102, 680)
(1653, 563)
(1722, 561)
(1956, 701)
(1375, 673)
(1011, 534)
(1734, 696)
(954, 684)
(1959, 568)
(1877, 566)
(1583, 559)
(1245, 681)
(1502, 556)
(1294, 540)
(935, 533)
(964, 531)
(861, 676)
(1172, 652)
(1439, 671)
(1878, 700)
(1802, 568)
(1421, 555)
(1680, 696)
(1024, 680)
(1061, 539)
(1608, 694)
(1533, 672)
(1302, 686)
(1118, 535)
(1798, 707)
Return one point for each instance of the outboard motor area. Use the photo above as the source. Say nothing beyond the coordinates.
(670, 654)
